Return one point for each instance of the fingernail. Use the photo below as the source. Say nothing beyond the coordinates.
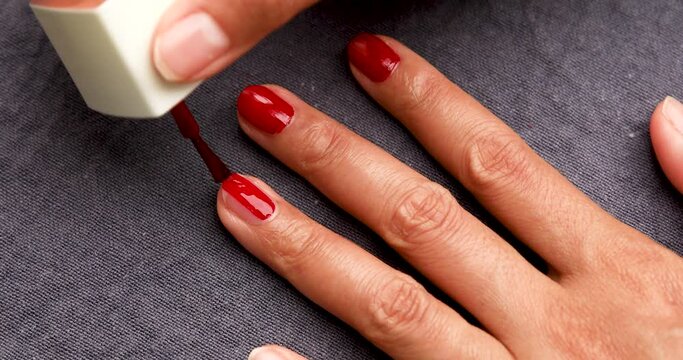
(673, 110)
(264, 353)
(373, 57)
(263, 109)
(189, 46)
(243, 198)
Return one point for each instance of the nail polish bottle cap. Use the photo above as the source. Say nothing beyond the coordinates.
(106, 47)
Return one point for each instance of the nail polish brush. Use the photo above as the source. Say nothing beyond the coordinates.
(105, 46)
(190, 130)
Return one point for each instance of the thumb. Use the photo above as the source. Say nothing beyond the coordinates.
(272, 352)
(198, 38)
(666, 130)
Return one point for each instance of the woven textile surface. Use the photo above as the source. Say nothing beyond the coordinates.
(110, 246)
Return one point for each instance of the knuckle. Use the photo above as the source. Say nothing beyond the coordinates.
(424, 214)
(424, 92)
(495, 157)
(291, 245)
(323, 144)
(397, 308)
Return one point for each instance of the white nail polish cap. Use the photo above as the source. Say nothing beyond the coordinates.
(106, 47)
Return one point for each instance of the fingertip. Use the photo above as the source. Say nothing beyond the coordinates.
(373, 56)
(666, 132)
(246, 200)
(273, 352)
(263, 107)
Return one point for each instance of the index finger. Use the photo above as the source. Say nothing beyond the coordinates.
(386, 306)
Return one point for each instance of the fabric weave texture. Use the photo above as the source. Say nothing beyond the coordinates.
(110, 246)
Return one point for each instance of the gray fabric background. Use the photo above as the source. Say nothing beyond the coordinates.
(109, 242)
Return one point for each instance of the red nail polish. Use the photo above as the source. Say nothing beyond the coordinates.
(373, 57)
(264, 109)
(249, 196)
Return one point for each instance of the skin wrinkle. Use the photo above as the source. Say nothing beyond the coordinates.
(620, 291)
(607, 305)
(471, 129)
(421, 216)
(439, 146)
(572, 231)
(455, 234)
(394, 181)
(292, 244)
(495, 159)
(426, 93)
(398, 305)
(326, 146)
(310, 117)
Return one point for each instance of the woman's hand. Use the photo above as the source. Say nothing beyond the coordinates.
(612, 292)
(198, 38)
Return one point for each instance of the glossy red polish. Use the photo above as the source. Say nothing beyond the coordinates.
(190, 130)
(249, 196)
(263, 109)
(373, 57)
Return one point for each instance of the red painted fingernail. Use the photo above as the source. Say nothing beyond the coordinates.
(373, 57)
(264, 109)
(240, 194)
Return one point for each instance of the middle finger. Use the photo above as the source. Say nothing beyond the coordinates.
(417, 217)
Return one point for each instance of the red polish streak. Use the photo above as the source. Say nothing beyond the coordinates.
(249, 196)
(264, 109)
(190, 130)
(373, 57)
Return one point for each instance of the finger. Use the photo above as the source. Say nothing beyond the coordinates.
(418, 218)
(525, 193)
(666, 130)
(273, 352)
(388, 307)
(198, 38)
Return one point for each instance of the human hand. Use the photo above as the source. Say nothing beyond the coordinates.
(612, 292)
(198, 38)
